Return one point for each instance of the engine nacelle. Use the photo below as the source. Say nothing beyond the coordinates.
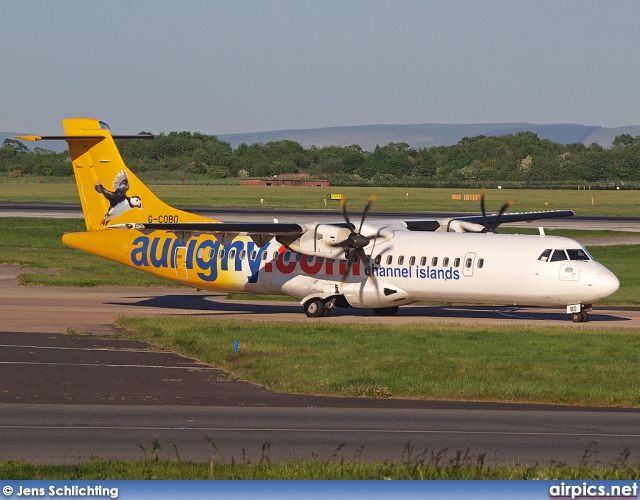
(369, 294)
(459, 226)
(317, 241)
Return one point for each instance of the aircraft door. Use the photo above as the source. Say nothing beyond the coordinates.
(468, 263)
(181, 264)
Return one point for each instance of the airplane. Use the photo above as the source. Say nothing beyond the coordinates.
(377, 264)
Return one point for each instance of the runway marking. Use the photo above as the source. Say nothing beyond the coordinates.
(115, 349)
(360, 431)
(109, 365)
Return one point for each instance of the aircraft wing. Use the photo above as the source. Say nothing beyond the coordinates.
(267, 228)
(289, 230)
(478, 223)
(260, 232)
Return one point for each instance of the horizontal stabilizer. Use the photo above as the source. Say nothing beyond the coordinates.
(78, 137)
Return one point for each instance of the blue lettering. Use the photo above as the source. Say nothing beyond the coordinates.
(139, 255)
(207, 261)
(254, 264)
(190, 249)
(163, 261)
(239, 246)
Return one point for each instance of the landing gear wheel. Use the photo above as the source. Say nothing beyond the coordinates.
(314, 308)
(386, 311)
(580, 317)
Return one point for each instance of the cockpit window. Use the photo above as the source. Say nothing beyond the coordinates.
(558, 255)
(544, 256)
(577, 254)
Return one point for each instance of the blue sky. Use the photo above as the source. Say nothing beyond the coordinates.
(223, 67)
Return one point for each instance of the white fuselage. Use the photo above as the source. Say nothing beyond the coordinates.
(446, 267)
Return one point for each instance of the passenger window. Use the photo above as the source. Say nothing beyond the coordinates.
(480, 263)
(222, 254)
(558, 255)
(412, 260)
(212, 254)
(577, 254)
(434, 261)
(378, 259)
(544, 256)
(468, 262)
(253, 254)
(389, 260)
(298, 257)
(445, 262)
(232, 253)
(423, 261)
(275, 255)
(401, 260)
(200, 253)
(286, 256)
(309, 259)
(456, 262)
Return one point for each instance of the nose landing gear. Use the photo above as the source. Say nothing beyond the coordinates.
(579, 313)
(580, 317)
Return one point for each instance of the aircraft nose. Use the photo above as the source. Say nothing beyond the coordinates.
(607, 284)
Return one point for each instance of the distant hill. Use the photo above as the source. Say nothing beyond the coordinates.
(605, 136)
(422, 135)
(418, 136)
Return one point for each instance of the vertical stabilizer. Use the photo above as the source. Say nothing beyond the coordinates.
(109, 191)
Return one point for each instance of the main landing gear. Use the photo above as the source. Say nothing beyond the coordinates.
(316, 308)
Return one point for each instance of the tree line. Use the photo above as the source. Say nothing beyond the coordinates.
(521, 159)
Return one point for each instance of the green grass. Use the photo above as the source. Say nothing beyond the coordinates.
(623, 261)
(389, 199)
(452, 362)
(431, 465)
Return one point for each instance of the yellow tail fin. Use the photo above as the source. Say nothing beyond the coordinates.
(109, 192)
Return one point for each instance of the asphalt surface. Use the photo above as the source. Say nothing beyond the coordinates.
(72, 397)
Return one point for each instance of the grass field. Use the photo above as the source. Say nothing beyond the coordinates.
(453, 362)
(462, 466)
(389, 199)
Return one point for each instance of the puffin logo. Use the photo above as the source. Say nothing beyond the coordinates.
(119, 202)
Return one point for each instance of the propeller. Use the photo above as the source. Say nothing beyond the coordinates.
(496, 221)
(355, 243)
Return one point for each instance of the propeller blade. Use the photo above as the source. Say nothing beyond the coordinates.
(350, 260)
(496, 222)
(484, 212)
(341, 244)
(345, 215)
(370, 201)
